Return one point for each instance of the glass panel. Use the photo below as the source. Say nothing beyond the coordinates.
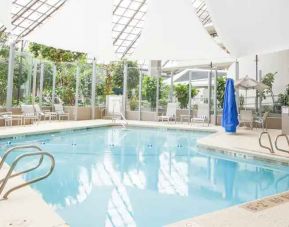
(133, 89)
(47, 86)
(22, 72)
(85, 85)
(66, 83)
(4, 54)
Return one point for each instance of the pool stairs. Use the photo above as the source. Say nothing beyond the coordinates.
(31, 151)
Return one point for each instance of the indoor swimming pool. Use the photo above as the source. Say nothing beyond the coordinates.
(144, 177)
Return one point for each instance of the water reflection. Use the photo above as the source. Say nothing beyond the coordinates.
(140, 172)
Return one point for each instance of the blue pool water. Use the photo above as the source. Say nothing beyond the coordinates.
(144, 177)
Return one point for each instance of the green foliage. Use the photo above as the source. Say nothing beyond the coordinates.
(221, 85)
(283, 99)
(133, 103)
(133, 75)
(182, 94)
(149, 90)
(55, 55)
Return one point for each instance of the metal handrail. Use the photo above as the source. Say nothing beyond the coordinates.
(271, 149)
(6, 154)
(122, 116)
(276, 142)
(14, 164)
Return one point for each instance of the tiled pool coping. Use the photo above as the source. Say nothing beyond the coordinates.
(205, 142)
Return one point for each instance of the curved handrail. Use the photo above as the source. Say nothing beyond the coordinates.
(6, 154)
(123, 118)
(271, 149)
(14, 164)
(276, 142)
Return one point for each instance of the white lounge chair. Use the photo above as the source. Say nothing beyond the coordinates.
(28, 113)
(246, 117)
(7, 117)
(262, 121)
(58, 108)
(170, 114)
(44, 114)
(202, 114)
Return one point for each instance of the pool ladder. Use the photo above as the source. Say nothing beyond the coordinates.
(37, 152)
(271, 148)
(122, 117)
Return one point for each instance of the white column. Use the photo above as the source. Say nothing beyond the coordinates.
(190, 93)
(215, 97)
(260, 98)
(41, 83)
(10, 78)
(28, 82)
(124, 93)
(140, 94)
(93, 89)
(158, 93)
(237, 76)
(210, 94)
(53, 84)
(76, 93)
(34, 82)
(172, 87)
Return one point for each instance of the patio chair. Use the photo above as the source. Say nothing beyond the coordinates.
(246, 117)
(202, 114)
(44, 114)
(262, 121)
(7, 117)
(28, 113)
(58, 108)
(170, 114)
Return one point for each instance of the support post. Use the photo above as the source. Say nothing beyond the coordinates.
(34, 82)
(260, 98)
(237, 77)
(11, 66)
(172, 87)
(28, 82)
(41, 83)
(76, 93)
(190, 94)
(158, 93)
(257, 79)
(124, 93)
(93, 89)
(140, 94)
(210, 93)
(215, 98)
(53, 84)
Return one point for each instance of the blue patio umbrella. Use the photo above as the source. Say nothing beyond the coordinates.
(230, 113)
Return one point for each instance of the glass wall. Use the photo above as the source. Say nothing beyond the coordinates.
(4, 53)
(21, 79)
(133, 88)
(85, 84)
(66, 83)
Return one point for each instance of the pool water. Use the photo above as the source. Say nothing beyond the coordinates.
(144, 177)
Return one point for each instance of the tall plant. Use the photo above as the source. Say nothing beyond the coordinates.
(182, 94)
(221, 84)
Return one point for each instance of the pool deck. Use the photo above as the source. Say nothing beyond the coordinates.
(26, 208)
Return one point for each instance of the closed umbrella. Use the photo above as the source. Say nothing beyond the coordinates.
(230, 113)
(248, 83)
